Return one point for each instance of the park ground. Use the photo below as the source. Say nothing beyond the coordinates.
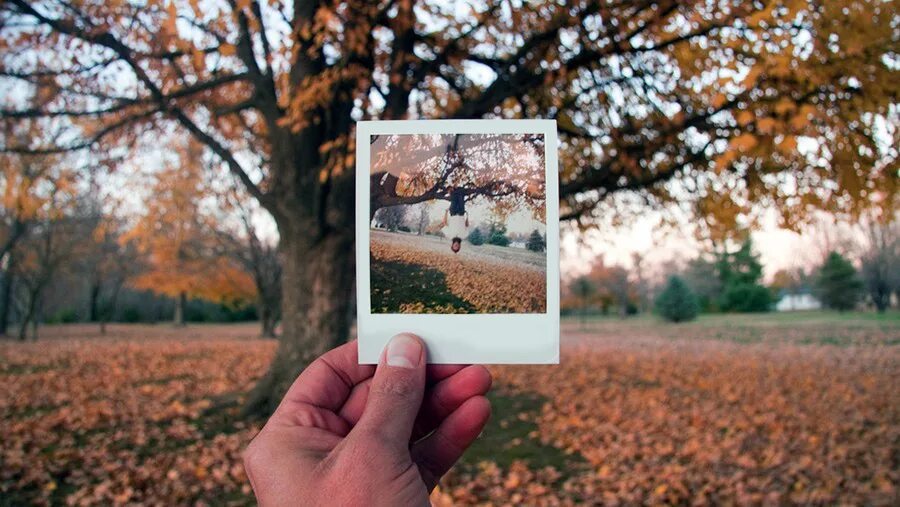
(420, 274)
(763, 409)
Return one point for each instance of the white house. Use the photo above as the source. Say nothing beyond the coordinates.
(795, 302)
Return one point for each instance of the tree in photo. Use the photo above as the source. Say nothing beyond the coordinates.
(507, 169)
(497, 235)
(422, 219)
(838, 283)
(676, 303)
(536, 242)
(391, 217)
(476, 237)
(713, 97)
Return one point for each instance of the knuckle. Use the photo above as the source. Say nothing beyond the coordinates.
(396, 385)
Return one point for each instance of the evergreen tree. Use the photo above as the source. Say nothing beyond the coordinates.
(739, 273)
(536, 242)
(475, 237)
(677, 302)
(839, 287)
(498, 235)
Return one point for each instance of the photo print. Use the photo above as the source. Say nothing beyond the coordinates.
(458, 238)
(458, 223)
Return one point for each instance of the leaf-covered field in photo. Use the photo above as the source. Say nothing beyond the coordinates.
(417, 274)
(790, 410)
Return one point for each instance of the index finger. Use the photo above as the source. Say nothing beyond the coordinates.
(328, 381)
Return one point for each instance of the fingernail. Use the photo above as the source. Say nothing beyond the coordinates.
(404, 351)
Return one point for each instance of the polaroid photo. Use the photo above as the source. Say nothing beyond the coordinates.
(457, 238)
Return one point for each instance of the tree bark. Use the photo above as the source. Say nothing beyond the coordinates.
(317, 290)
(30, 314)
(6, 295)
(109, 310)
(93, 310)
(180, 304)
(267, 318)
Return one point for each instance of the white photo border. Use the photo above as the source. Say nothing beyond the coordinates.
(509, 338)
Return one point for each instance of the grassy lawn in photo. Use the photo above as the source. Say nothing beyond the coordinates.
(395, 283)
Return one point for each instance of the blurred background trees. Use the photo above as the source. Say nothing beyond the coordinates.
(728, 277)
(722, 110)
(838, 284)
(676, 303)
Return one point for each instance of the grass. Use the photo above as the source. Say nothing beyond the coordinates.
(395, 283)
(891, 317)
(801, 328)
(511, 435)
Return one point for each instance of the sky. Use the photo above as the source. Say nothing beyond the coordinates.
(778, 248)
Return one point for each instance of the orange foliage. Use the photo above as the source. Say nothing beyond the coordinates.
(178, 240)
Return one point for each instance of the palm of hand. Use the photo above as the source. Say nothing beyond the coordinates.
(346, 435)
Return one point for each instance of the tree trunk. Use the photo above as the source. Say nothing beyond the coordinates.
(30, 314)
(109, 311)
(180, 304)
(267, 318)
(6, 295)
(93, 310)
(317, 290)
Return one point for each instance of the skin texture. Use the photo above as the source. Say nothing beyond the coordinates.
(351, 434)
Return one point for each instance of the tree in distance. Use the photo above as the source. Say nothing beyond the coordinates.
(677, 302)
(740, 273)
(839, 286)
(583, 289)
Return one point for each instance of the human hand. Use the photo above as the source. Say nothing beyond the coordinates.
(351, 434)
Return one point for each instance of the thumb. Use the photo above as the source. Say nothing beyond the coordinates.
(396, 392)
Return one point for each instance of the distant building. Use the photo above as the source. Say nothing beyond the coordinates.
(795, 302)
(517, 244)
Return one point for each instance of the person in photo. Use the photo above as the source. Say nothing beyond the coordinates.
(456, 220)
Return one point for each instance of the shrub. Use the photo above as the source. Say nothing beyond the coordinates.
(677, 302)
(404, 228)
(475, 237)
(131, 315)
(66, 316)
(536, 242)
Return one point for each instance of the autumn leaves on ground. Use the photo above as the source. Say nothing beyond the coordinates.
(746, 409)
(420, 274)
